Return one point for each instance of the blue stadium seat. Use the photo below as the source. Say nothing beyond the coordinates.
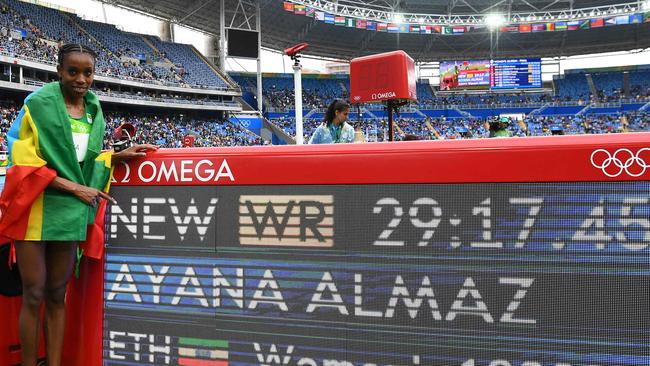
(188, 64)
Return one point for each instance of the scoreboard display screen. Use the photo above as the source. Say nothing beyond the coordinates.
(468, 74)
(491, 74)
(490, 274)
(516, 74)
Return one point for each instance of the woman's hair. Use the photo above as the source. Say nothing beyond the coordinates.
(74, 47)
(337, 105)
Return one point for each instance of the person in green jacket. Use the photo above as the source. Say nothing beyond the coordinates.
(55, 148)
(499, 127)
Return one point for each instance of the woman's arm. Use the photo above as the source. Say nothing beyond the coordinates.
(315, 137)
(135, 151)
(348, 133)
(88, 195)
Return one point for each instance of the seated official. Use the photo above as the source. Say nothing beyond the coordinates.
(334, 128)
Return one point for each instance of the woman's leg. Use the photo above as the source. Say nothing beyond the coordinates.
(60, 260)
(31, 263)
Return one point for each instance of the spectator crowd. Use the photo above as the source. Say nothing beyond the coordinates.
(162, 129)
(470, 127)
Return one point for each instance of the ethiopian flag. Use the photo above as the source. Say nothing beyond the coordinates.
(202, 352)
(40, 149)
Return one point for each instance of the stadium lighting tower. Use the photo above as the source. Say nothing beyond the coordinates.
(494, 20)
(294, 53)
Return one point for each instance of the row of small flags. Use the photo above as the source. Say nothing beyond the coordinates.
(461, 29)
(577, 24)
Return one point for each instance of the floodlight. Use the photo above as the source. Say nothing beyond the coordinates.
(494, 20)
(397, 18)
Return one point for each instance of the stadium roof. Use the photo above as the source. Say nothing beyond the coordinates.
(281, 29)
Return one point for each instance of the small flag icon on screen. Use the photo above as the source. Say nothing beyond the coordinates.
(202, 352)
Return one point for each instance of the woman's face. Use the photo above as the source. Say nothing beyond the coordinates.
(76, 74)
(342, 116)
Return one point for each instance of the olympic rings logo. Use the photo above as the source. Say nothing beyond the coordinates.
(622, 160)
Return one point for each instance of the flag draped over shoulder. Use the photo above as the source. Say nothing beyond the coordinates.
(40, 149)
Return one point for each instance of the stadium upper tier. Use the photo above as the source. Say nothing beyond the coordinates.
(121, 54)
(316, 23)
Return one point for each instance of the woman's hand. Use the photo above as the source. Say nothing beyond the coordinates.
(135, 151)
(91, 196)
(88, 195)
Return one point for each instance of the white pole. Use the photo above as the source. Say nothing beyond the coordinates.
(260, 97)
(297, 86)
(222, 35)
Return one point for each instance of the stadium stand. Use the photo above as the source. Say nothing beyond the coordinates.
(168, 130)
(639, 84)
(8, 113)
(609, 85)
(573, 110)
(573, 86)
(431, 128)
(572, 89)
(278, 90)
(425, 93)
(136, 57)
(121, 54)
(189, 64)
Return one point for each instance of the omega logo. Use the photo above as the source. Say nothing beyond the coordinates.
(174, 171)
(390, 94)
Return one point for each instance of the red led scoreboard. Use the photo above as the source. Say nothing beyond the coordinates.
(386, 76)
(493, 252)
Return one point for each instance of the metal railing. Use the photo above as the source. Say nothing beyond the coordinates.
(39, 83)
(33, 82)
(414, 108)
(166, 100)
(27, 58)
(482, 105)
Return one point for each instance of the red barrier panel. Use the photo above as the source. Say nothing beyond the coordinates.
(9, 310)
(541, 159)
(9, 332)
(85, 313)
(624, 157)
